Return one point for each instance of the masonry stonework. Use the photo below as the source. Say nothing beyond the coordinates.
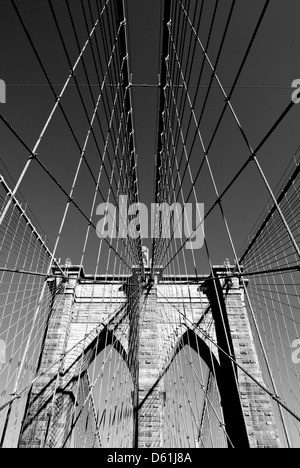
(89, 314)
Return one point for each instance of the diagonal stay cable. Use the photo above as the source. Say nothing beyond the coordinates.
(253, 155)
(220, 203)
(218, 125)
(34, 156)
(97, 329)
(57, 100)
(33, 153)
(272, 395)
(237, 175)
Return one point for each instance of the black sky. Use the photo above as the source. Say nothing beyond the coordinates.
(264, 91)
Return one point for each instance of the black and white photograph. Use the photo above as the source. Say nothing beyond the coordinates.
(149, 226)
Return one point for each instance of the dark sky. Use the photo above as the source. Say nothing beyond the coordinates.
(265, 90)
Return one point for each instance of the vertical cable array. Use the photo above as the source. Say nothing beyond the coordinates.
(25, 261)
(274, 287)
(106, 169)
(192, 112)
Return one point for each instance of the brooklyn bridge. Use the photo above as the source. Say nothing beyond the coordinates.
(149, 224)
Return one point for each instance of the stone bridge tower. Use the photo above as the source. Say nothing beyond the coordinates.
(97, 313)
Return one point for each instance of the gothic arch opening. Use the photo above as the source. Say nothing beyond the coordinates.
(192, 410)
(112, 398)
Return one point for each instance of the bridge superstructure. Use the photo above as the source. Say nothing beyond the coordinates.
(158, 348)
